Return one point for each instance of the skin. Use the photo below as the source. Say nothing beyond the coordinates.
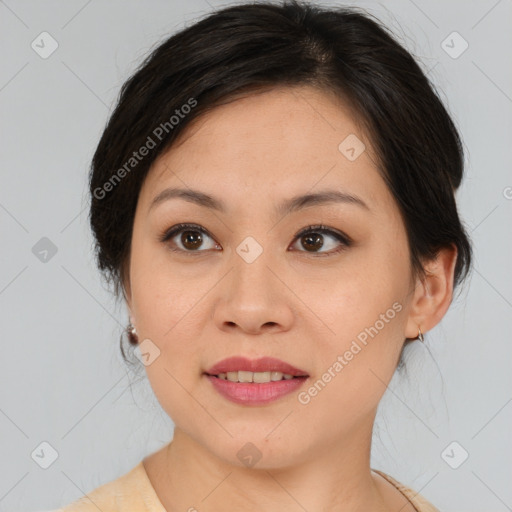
(290, 303)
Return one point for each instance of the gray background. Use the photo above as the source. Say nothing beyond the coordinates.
(62, 378)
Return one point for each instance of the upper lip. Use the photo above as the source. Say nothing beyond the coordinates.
(263, 364)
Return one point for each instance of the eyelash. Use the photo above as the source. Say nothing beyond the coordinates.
(319, 229)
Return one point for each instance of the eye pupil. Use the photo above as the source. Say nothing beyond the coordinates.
(191, 239)
(313, 241)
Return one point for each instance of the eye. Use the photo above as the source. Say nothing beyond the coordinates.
(193, 236)
(312, 238)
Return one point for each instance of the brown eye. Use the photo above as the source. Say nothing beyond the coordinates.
(312, 239)
(188, 238)
(191, 239)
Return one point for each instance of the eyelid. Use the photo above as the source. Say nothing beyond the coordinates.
(168, 233)
(320, 228)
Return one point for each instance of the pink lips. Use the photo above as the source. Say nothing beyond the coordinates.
(264, 364)
(252, 393)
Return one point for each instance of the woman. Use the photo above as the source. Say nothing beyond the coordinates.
(273, 197)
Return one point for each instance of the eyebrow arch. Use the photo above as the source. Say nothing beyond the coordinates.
(285, 208)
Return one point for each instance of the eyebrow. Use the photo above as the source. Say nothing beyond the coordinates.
(286, 207)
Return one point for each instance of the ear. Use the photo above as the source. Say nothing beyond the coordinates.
(127, 292)
(433, 294)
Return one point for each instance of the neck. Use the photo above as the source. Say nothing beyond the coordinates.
(187, 476)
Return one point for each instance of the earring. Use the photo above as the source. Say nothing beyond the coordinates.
(131, 329)
(420, 335)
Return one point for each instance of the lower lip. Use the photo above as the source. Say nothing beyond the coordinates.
(251, 393)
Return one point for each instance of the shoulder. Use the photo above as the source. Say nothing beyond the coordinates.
(131, 492)
(418, 501)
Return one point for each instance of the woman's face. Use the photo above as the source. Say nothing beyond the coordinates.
(248, 286)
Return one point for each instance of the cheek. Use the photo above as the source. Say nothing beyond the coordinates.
(163, 302)
(161, 295)
(356, 365)
(366, 311)
(166, 315)
(353, 297)
(366, 341)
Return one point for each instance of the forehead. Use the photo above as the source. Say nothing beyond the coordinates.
(283, 142)
(303, 118)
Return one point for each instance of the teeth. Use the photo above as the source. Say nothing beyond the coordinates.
(258, 377)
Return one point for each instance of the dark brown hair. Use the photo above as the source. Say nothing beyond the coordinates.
(249, 47)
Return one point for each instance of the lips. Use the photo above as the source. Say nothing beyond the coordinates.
(263, 364)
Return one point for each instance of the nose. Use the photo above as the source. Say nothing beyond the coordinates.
(254, 298)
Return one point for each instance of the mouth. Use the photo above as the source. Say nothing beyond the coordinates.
(264, 369)
(256, 377)
(255, 382)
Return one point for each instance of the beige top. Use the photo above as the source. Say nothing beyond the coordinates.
(133, 492)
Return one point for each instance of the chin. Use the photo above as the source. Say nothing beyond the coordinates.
(256, 452)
